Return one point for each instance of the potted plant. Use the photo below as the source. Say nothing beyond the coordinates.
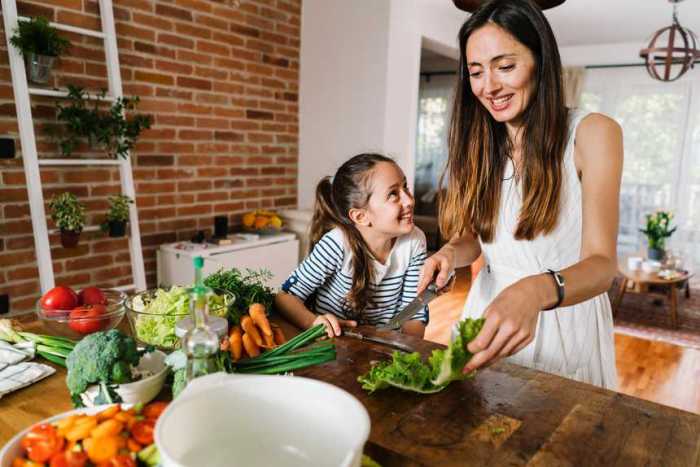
(657, 231)
(117, 216)
(69, 216)
(109, 129)
(40, 45)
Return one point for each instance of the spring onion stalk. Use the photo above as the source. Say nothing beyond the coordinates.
(52, 348)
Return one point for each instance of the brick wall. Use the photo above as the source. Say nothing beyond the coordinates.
(221, 81)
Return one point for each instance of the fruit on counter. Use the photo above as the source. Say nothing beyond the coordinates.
(106, 439)
(262, 219)
(59, 298)
(86, 319)
(92, 296)
(105, 358)
(409, 372)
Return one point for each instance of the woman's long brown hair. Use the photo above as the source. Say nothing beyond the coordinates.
(479, 146)
(350, 188)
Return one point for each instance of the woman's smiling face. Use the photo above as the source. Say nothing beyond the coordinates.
(501, 72)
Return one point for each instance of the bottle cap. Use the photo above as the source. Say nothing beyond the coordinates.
(198, 262)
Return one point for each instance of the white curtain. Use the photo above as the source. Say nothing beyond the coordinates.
(661, 126)
(573, 77)
(434, 110)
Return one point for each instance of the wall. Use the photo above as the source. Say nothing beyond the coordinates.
(222, 85)
(363, 64)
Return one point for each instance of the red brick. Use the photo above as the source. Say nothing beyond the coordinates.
(156, 78)
(23, 273)
(190, 30)
(173, 12)
(20, 243)
(176, 40)
(213, 48)
(193, 83)
(133, 32)
(194, 185)
(153, 21)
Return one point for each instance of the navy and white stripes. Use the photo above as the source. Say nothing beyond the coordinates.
(324, 278)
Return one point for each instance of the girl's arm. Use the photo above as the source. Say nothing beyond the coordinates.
(459, 252)
(296, 313)
(512, 316)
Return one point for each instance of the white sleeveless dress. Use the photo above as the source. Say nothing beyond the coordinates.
(573, 341)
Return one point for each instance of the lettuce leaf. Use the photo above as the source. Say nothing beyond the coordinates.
(409, 372)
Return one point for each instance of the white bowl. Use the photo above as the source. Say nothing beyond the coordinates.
(141, 391)
(257, 420)
(634, 263)
(651, 266)
(13, 449)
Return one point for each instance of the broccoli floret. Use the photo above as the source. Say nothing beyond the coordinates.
(101, 357)
(179, 381)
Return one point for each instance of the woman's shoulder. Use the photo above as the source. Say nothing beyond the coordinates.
(594, 124)
(598, 140)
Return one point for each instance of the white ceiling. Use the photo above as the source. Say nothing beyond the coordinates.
(589, 22)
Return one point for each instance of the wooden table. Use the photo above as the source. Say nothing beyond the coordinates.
(641, 282)
(507, 415)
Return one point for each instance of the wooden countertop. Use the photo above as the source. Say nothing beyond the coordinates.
(506, 415)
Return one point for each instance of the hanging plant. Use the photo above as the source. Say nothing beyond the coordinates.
(117, 216)
(39, 44)
(69, 216)
(85, 119)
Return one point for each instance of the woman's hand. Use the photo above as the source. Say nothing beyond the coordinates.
(511, 320)
(441, 263)
(334, 326)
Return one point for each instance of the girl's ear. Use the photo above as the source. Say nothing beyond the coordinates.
(359, 216)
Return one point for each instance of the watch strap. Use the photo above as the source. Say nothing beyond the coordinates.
(559, 282)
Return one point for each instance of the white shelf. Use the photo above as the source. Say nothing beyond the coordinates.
(89, 228)
(62, 93)
(80, 161)
(68, 28)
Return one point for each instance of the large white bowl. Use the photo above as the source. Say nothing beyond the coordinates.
(141, 391)
(256, 420)
(12, 449)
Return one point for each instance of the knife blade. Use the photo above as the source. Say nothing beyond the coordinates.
(427, 295)
(378, 340)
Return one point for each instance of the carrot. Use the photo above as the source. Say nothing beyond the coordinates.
(250, 346)
(109, 413)
(236, 343)
(102, 449)
(257, 313)
(269, 342)
(279, 335)
(133, 445)
(107, 428)
(81, 429)
(249, 327)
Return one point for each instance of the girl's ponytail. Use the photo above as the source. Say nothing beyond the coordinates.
(325, 216)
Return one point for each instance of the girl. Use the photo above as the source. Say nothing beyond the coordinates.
(366, 253)
(534, 187)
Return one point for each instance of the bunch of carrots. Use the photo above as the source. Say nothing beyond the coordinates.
(254, 333)
(112, 437)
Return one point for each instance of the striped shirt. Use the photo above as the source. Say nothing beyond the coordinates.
(324, 278)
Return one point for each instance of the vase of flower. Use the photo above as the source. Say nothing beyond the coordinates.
(657, 229)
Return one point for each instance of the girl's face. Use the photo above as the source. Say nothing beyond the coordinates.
(390, 207)
(501, 72)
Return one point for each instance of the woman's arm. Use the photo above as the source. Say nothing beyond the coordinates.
(512, 316)
(458, 252)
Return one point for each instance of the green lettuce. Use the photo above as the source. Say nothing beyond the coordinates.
(409, 372)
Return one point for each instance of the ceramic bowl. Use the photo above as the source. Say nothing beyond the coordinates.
(141, 391)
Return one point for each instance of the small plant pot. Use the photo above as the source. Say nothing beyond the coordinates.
(69, 238)
(117, 228)
(39, 67)
(656, 254)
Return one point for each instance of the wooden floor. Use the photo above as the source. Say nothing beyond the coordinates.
(664, 373)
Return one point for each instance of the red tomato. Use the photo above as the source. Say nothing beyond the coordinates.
(120, 461)
(153, 410)
(42, 442)
(69, 459)
(91, 296)
(59, 298)
(86, 319)
(142, 431)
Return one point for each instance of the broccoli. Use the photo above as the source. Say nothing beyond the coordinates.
(179, 381)
(103, 358)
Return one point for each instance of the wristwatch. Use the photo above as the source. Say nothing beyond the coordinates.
(559, 281)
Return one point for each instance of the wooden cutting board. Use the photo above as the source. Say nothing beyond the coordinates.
(510, 415)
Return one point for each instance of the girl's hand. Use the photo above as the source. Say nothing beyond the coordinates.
(510, 324)
(441, 263)
(333, 324)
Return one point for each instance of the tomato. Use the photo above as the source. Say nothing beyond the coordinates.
(69, 459)
(153, 410)
(59, 298)
(142, 431)
(86, 319)
(120, 461)
(42, 442)
(91, 296)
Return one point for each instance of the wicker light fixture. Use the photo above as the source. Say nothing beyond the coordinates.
(673, 48)
(472, 5)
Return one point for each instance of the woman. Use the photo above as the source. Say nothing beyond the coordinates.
(534, 187)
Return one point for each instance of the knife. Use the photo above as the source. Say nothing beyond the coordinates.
(417, 304)
(378, 340)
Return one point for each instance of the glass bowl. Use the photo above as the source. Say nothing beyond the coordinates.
(59, 322)
(153, 319)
